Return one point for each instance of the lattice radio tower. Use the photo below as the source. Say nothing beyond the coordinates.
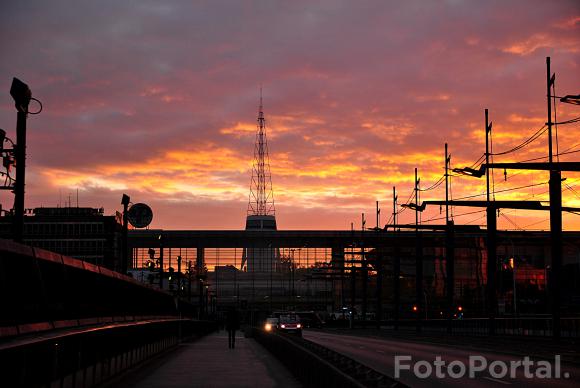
(261, 201)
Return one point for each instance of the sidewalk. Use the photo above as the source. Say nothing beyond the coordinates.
(208, 362)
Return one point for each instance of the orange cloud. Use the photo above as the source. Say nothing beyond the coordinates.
(540, 40)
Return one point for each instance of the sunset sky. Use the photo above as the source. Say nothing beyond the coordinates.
(159, 100)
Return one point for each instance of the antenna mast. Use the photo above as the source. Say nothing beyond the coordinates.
(261, 201)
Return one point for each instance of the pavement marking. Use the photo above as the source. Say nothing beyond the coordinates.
(496, 380)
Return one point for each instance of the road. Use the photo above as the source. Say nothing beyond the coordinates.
(379, 354)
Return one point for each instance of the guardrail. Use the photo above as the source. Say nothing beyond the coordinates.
(85, 357)
(317, 366)
(522, 326)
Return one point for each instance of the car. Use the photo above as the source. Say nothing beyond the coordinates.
(271, 324)
(290, 323)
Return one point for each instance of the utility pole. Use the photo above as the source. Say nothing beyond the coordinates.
(20, 158)
(379, 289)
(449, 248)
(189, 281)
(379, 276)
(161, 261)
(271, 288)
(292, 267)
(396, 267)
(418, 259)
(555, 207)
(342, 296)
(199, 263)
(555, 187)
(364, 273)
(491, 293)
(352, 280)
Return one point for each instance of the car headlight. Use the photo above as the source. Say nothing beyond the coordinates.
(299, 326)
(283, 326)
(268, 327)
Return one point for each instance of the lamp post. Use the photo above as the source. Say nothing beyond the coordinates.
(449, 248)
(161, 264)
(291, 273)
(179, 275)
(491, 222)
(418, 258)
(189, 274)
(513, 265)
(364, 273)
(125, 201)
(396, 267)
(22, 95)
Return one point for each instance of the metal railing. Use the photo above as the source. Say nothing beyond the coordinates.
(86, 357)
(522, 326)
(317, 366)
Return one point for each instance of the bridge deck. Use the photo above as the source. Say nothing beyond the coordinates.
(209, 363)
(140, 238)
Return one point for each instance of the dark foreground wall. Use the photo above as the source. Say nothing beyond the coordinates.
(69, 323)
(43, 290)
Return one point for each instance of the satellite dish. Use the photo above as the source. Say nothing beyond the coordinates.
(140, 215)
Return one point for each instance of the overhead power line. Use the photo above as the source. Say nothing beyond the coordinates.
(525, 143)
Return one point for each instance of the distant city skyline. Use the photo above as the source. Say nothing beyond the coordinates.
(159, 101)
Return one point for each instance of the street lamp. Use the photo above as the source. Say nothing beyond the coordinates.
(468, 171)
(571, 99)
(21, 94)
(414, 206)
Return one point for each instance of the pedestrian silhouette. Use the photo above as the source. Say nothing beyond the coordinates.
(232, 324)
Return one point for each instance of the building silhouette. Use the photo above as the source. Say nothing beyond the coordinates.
(81, 232)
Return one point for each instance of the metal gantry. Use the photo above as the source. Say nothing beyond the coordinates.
(492, 207)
